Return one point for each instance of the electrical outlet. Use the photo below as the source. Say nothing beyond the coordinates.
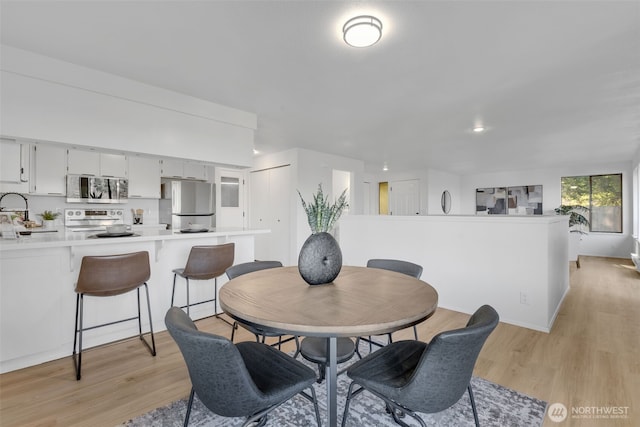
(524, 298)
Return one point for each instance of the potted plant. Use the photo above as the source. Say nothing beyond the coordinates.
(578, 226)
(48, 218)
(320, 258)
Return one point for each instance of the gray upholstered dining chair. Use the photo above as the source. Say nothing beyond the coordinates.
(399, 266)
(314, 349)
(412, 376)
(248, 379)
(260, 334)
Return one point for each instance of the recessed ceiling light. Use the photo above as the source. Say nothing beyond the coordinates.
(385, 167)
(478, 129)
(362, 31)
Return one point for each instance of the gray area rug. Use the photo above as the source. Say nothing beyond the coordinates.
(497, 406)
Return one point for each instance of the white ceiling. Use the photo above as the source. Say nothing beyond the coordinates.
(556, 83)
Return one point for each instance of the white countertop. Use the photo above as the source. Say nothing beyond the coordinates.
(64, 238)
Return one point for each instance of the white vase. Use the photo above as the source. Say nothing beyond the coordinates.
(48, 224)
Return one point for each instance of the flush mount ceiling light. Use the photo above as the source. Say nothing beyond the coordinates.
(362, 31)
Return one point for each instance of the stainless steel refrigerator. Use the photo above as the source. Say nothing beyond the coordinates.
(186, 202)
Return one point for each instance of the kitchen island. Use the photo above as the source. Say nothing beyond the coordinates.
(37, 281)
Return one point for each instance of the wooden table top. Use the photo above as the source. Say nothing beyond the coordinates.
(361, 301)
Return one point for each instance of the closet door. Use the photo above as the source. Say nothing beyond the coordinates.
(259, 212)
(270, 198)
(279, 204)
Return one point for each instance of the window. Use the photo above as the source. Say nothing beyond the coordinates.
(230, 192)
(602, 194)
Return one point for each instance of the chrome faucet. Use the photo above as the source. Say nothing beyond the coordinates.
(26, 204)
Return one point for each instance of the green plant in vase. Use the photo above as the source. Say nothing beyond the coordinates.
(48, 218)
(322, 215)
(49, 215)
(320, 258)
(577, 219)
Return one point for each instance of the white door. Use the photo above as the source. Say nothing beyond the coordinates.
(259, 211)
(270, 209)
(279, 208)
(230, 196)
(404, 197)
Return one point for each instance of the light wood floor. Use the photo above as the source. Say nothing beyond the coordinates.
(591, 358)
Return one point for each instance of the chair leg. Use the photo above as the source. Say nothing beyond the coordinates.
(187, 279)
(173, 290)
(77, 337)
(347, 402)
(315, 406)
(415, 332)
(473, 406)
(321, 370)
(233, 330)
(152, 349)
(188, 414)
(215, 303)
(295, 338)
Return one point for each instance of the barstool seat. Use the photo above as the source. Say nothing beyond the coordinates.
(314, 349)
(204, 263)
(105, 276)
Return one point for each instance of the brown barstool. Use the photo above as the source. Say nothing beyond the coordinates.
(204, 263)
(105, 276)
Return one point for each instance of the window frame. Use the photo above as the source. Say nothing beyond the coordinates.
(590, 195)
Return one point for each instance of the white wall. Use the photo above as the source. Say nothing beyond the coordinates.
(617, 245)
(308, 169)
(50, 100)
(438, 181)
(474, 260)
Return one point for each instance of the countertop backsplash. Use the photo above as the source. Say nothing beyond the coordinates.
(38, 204)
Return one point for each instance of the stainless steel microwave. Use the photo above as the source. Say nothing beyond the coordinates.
(96, 189)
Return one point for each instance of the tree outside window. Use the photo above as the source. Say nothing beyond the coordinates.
(602, 194)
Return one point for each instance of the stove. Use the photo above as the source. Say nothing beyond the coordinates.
(92, 219)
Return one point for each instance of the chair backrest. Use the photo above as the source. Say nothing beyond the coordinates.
(108, 275)
(248, 267)
(404, 267)
(207, 262)
(218, 374)
(445, 368)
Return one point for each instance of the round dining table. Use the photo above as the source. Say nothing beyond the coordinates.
(361, 301)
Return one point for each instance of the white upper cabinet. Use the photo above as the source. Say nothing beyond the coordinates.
(173, 168)
(49, 170)
(84, 162)
(14, 166)
(195, 171)
(144, 177)
(114, 165)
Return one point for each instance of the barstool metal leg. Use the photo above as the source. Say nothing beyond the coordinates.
(77, 336)
(151, 348)
(173, 291)
(187, 279)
